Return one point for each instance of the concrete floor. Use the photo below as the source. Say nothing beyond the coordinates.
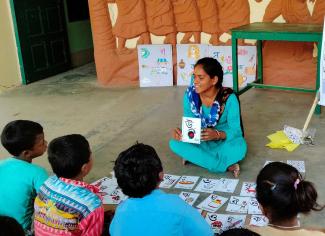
(114, 119)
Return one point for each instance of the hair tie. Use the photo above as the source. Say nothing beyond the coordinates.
(295, 185)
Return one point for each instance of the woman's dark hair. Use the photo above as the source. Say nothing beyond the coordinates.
(67, 155)
(282, 191)
(212, 67)
(10, 227)
(137, 170)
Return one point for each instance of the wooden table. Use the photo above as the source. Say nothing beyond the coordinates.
(276, 32)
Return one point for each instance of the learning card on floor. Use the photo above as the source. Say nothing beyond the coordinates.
(259, 220)
(223, 222)
(254, 207)
(212, 203)
(238, 204)
(188, 197)
(226, 185)
(106, 185)
(169, 180)
(187, 182)
(191, 130)
(207, 185)
(116, 197)
(248, 189)
(299, 165)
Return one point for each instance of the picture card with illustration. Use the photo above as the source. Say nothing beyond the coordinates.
(248, 189)
(254, 207)
(212, 203)
(223, 222)
(238, 204)
(187, 182)
(114, 198)
(259, 220)
(191, 130)
(188, 197)
(169, 181)
(207, 185)
(106, 185)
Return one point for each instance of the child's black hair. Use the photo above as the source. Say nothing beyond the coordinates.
(284, 193)
(137, 170)
(20, 135)
(10, 227)
(238, 232)
(67, 155)
(212, 67)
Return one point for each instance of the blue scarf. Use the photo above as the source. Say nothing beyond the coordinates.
(196, 107)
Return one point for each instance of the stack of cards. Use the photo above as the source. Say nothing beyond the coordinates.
(212, 203)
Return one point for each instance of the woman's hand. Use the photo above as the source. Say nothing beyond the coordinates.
(177, 134)
(209, 134)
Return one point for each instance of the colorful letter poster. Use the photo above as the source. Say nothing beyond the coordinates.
(155, 65)
(187, 56)
(246, 64)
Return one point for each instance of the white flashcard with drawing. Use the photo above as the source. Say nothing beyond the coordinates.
(106, 185)
(187, 182)
(226, 185)
(248, 189)
(207, 185)
(299, 165)
(116, 197)
(191, 130)
(254, 207)
(212, 203)
(238, 204)
(169, 181)
(259, 220)
(223, 222)
(188, 197)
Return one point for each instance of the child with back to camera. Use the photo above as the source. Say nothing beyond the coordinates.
(283, 194)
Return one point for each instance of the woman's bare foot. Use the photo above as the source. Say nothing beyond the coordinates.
(235, 169)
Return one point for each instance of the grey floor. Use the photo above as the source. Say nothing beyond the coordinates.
(114, 119)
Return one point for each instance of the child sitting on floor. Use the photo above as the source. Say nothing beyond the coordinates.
(150, 211)
(20, 178)
(65, 204)
(283, 194)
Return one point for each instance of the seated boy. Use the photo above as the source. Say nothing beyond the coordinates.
(20, 178)
(150, 211)
(65, 205)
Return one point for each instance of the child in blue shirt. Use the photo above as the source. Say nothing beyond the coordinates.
(20, 178)
(150, 211)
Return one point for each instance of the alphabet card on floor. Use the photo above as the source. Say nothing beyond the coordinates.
(188, 197)
(238, 204)
(116, 197)
(212, 203)
(248, 189)
(207, 185)
(223, 222)
(106, 185)
(254, 207)
(187, 182)
(191, 130)
(299, 165)
(169, 181)
(259, 220)
(226, 185)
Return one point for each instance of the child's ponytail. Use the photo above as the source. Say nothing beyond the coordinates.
(306, 195)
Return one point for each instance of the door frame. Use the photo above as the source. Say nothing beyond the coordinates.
(19, 54)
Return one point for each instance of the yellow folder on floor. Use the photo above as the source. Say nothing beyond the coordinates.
(280, 140)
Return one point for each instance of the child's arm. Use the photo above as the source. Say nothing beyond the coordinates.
(93, 224)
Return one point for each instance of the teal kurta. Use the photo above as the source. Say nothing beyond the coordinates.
(217, 155)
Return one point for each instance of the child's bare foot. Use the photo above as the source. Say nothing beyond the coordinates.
(235, 169)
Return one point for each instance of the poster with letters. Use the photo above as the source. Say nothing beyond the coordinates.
(155, 65)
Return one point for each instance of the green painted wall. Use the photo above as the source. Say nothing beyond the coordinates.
(79, 34)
